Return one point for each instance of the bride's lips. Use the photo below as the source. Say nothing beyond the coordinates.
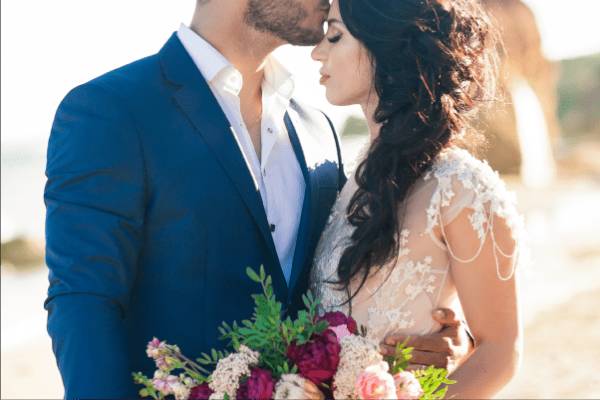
(324, 78)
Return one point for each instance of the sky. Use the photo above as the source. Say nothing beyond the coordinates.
(50, 46)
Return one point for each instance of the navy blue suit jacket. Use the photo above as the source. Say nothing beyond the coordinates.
(153, 217)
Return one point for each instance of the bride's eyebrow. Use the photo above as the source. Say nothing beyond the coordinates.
(334, 21)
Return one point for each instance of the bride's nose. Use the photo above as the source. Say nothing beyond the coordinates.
(319, 53)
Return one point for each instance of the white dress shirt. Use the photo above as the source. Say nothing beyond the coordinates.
(277, 175)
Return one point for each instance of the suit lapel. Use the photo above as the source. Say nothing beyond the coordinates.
(195, 99)
(309, 208)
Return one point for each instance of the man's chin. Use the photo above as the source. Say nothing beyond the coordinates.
(308, 39)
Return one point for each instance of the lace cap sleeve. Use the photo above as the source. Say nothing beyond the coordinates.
(464, 182)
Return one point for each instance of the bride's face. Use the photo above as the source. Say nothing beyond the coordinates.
(347, 73)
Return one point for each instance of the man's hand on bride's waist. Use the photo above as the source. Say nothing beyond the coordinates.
(448, 348)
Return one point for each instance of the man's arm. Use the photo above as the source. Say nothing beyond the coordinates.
(95, 209)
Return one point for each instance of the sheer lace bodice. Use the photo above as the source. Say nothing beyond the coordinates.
(399, 297)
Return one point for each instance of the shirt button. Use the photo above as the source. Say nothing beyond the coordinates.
(264, 172)
(269, 130)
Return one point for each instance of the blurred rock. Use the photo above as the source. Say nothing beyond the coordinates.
(581, 159)
(354, 126)
(22, 252)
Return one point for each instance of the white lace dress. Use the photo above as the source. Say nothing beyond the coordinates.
(400, 297)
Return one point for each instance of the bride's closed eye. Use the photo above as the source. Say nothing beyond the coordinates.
(334, 38)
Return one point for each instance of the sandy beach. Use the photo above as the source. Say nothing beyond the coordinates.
(562, 353)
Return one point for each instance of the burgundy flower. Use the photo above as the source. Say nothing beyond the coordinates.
(200, 392)
(318, 359)
(259, 386)
(338, 318)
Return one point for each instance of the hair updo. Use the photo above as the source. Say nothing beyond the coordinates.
(434, 64)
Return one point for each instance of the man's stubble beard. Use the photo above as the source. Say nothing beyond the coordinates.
(282, 19)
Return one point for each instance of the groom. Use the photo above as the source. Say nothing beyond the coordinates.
(171, 175)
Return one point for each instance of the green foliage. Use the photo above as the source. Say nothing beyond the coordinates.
(399, 361)
(431, 379)
(148, 390)
(269, 334)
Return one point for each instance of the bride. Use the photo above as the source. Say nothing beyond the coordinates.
(421, 223)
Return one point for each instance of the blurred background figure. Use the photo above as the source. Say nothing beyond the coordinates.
(549, 108)
(523, 130)
(544, 138)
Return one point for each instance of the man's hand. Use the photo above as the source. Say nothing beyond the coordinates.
(447, 348)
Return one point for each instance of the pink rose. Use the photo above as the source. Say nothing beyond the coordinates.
(375, 383)
(338, 318)
(200, 392)
(318, 359)
(259, 386)
(407, 386)
(341, 331)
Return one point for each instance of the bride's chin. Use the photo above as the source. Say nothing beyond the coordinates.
(338, 100)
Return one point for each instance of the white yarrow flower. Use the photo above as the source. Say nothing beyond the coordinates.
(229, 371)
(180, 391)
(290, 386)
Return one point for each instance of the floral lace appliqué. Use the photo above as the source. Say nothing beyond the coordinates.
(490, 199)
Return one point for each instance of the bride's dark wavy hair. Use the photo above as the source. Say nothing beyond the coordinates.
(434, 64)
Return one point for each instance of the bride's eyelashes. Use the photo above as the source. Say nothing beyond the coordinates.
(335, 38)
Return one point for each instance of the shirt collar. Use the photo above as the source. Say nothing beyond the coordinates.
(218, 71)
(209, 60)
(278, 78)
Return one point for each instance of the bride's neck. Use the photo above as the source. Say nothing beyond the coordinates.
(368, 108)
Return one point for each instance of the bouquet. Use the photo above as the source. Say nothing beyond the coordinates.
(311, 357)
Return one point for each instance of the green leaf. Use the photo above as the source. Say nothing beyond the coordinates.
(252, 275)
(262, 273)
(305, 301)
(247, 324)
(321, 326)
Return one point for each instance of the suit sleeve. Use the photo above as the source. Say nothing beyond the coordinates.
(94, 196)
